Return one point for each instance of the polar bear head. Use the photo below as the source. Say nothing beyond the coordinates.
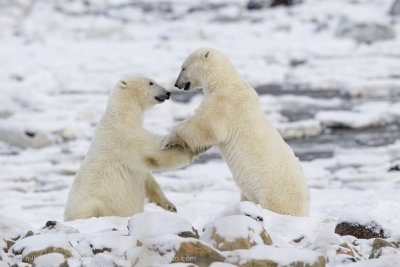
(145, 90)
(200, 67)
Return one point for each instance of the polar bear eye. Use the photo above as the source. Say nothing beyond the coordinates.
(151, 83)
(183, 69)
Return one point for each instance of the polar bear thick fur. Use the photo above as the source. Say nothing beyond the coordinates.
(230, 116)
(115, 176)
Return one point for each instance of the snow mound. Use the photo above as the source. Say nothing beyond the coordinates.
(151, 224)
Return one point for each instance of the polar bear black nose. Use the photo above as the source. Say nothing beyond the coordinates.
(168, 94)
(176, 85)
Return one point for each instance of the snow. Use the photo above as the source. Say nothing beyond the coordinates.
(153, 224)
(11, 228)
(233, 227)
(39, 242)
(281, 255)
(49, 260)
(334, 99)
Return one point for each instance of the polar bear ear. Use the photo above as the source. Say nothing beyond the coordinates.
(205, 55)
(122, 84)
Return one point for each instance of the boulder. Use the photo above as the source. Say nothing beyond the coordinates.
(170, 248)
(152, 224)
(34, 246)
(106, 259)
(235, 232)
(345, 248)
(268, 256)
(379, 245)
(57, 227)
(260, 4)
(349, 252)
(11, 229)
(50, 260)
(198, 253)
(247, 208)
(24, 137)
(113, 242)
(362, 231)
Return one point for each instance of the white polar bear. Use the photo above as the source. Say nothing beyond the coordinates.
(230, 116)
(116, 174)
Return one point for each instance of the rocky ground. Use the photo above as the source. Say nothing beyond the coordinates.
(328, 76)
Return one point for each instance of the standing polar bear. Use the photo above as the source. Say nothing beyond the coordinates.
(116, 174)
(230, 116)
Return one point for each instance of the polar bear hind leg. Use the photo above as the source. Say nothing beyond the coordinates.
(155, 194)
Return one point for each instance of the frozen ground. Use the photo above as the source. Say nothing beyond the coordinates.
(334, 97)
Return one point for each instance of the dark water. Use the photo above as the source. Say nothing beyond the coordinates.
(322, 146)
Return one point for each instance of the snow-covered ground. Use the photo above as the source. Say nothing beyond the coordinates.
(327, 78)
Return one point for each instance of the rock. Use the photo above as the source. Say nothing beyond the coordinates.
(105, 259)
(268, 256)
(36, 245)
(246, 208)
(348, 250)
(50, 260)
(222, 264)
(260, 4)
(6, 244)
(366, 32)
(395, 9)
(367, 231)
(57, 227)
(379, 245)
(170, 248)
(198, 253)
(257, 4)
(345, 249)
(180, 265)
(114, 242)
(151, 224)
(235, 232)
(24, 138)
(11, 229)
(283, 2)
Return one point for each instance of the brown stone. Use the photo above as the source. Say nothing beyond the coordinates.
(239, 243)
(9, 243)
(360, 231)
(34, 254)
(321, 262)
(244, 233)
(197, 253)
(379, 244)
(192, 234)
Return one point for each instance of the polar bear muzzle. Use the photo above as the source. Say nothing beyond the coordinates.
(162, 97)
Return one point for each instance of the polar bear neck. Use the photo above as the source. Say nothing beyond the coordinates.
(221, 79)
(124, 111)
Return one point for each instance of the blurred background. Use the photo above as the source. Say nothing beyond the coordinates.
(327, 72)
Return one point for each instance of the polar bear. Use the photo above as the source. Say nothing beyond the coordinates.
(115, 176)
(230, 116)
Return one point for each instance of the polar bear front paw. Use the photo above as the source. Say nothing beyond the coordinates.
(167, 206)
(173, 140)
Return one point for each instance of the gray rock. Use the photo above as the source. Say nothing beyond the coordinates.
(24, 138)
(379, 245)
